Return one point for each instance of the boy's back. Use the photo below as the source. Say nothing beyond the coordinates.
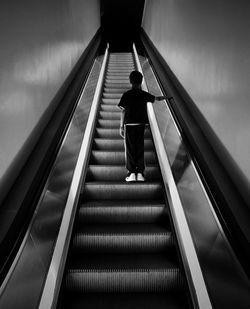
(134, 101)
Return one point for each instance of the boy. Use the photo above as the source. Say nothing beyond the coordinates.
(133, 104)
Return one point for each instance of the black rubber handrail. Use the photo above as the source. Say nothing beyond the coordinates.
(226, 185)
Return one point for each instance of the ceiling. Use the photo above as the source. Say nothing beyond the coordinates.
(121, 22)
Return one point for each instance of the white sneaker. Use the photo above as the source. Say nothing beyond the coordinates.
(131, 177)
(140, 177)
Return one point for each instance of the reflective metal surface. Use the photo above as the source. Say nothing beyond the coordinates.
(190, 261)
(52, 284)
(41, 42)
(207, 46)
(226, 282)
(24, 283)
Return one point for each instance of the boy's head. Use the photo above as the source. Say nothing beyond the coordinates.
(135, 78)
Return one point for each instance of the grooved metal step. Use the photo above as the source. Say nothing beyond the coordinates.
(126, 300)
(107, 133)
(117, 173)
(117, 211)
(107, 124)
(110, 115)
(121, 66)
(119, 84)
(117, 71)
(114, 133)
(122, 280)
(122, 243)
(110, 101)
(121, 61)
(124, 74)
(112, 95)
(118, 157)
(116, 81)
(113, 90)
(109, 108)
(118, 77)
(116, 144)
(122, 238)
(128, 191)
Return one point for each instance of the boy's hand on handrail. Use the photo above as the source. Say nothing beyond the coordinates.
(160, 98)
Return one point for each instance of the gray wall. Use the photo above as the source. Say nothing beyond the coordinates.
(207, 46)
(41, 41)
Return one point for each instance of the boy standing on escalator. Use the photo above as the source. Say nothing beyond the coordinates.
(133, 104)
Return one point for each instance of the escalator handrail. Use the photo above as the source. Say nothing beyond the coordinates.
(191, 263)
(54, 276)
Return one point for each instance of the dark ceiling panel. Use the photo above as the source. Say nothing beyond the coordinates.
(121, 22)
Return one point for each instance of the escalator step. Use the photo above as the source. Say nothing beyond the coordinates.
(124, 261)
(119, 70)
(117, 144)
(114, 90)
(120, 280)
(114, 133)
(127, 61)
(117, 85)
(108, 144)
(121, 62)
(122, 212)
(120, 66)
(103, 123)
(121, 58)
(110, 108)
(125, 300)
(108, 133)
(118, 173)
(110, 115)
(110, 101)
(118, 76)
(122, 242)
(118, 157)
(116, 81)
(120, 191)
(112, 95)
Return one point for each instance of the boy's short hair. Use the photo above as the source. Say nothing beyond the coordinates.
(135, 78)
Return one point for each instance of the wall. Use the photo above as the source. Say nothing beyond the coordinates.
(41, 41)
(207, 46)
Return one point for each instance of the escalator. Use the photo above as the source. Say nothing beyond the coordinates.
(122, 251)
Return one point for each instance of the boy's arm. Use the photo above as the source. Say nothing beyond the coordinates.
(122, 123)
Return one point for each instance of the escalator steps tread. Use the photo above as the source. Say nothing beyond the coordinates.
(125, 281)
(123, 228)
(123, 261)
(101, 211)
(124, 301)
(123, 243)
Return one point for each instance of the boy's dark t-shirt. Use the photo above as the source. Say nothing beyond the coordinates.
(134, 101)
